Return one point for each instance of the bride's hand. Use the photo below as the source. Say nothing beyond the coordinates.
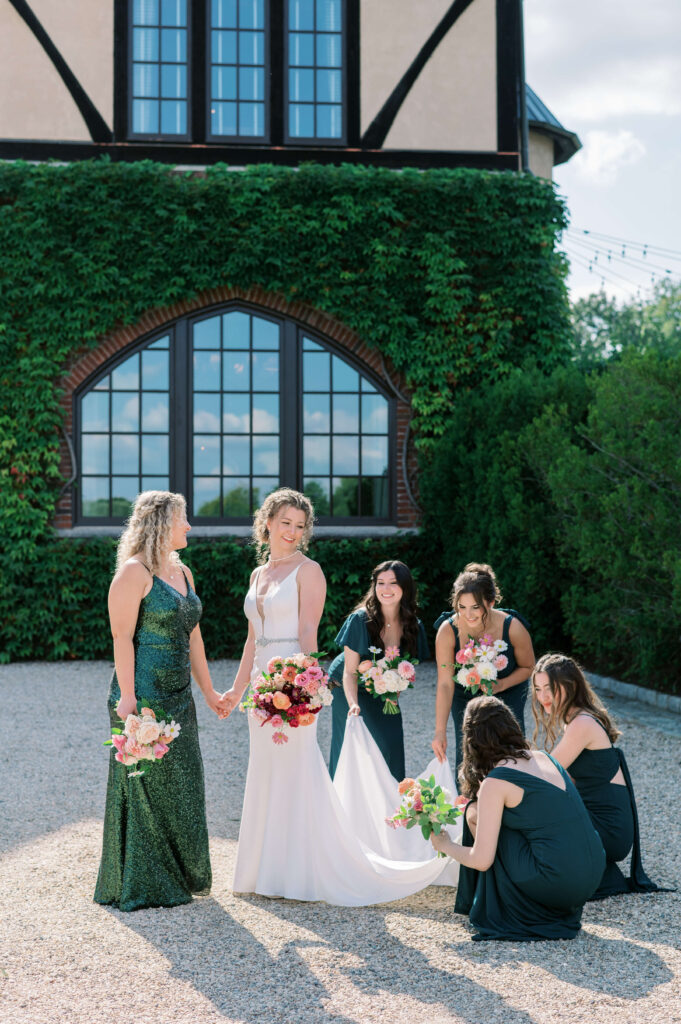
(227, 703)
(353, 710)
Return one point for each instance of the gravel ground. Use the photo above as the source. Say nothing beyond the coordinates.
(250, 959)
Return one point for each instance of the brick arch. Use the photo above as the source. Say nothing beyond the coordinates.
(87, 362)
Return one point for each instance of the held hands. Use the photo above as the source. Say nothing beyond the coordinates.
(127, 705)
(212, 698)
(227, 703)
(439, 746)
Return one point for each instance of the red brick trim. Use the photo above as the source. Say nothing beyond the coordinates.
(87, 361)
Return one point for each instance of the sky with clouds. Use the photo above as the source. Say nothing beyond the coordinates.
(610, 70)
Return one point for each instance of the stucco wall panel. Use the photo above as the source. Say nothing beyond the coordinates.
(34, 102)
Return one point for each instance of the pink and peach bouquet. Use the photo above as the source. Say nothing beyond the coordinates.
(290, 693)
(387, 677)
(427, 805)
(481, 662)
(143, 739)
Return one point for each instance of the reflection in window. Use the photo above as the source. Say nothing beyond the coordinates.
(345, 438)
(159, 67)
(124, 439)
(315, 69)
(237, 68)
(236, 413)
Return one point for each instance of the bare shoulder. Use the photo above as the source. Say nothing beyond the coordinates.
(584, 727)
(445, 635)
(133, 574)
(311, 572)
(188, 573)
(516, 630)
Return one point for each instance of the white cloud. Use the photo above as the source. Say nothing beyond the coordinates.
(604, 154)
(625, 88)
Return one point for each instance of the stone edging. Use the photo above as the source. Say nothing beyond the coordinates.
(665, 701)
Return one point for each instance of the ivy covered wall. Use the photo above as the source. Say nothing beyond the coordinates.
(452, 274)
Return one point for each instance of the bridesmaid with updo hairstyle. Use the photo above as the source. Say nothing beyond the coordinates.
(475, 594)
(564, 703)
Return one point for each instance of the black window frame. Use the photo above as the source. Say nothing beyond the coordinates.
(322, 140)
(181, 432)
(199, 86)
(129, 100)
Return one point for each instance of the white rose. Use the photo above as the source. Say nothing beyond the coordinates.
(325, 695)
(148, 731)
(393, 681)
(486, 670)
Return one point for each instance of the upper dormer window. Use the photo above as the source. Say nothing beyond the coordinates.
(236, 71)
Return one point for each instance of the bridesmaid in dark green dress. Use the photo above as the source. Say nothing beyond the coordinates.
(563, 698)
(474, 596)
(155, 847)
(532, 857)
(385, 617)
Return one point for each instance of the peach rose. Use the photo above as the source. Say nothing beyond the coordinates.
(404, 786)
(148, 713)
(159, 750)
(132, 724)
(281, 701)
(364, 666)
(306, 719)
(148, 731)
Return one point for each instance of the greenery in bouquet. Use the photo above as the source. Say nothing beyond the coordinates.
(428, 805)
(388, 677)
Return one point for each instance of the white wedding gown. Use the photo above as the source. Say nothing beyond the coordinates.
(305, 837)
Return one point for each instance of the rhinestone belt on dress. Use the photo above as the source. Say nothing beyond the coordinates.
(265, 641)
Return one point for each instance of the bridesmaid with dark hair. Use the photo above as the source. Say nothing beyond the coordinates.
(530, 856)
(385, 617)
(562, 699)
(474, 595)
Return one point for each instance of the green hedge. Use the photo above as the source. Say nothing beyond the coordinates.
(454, 275)
(63, 609)
(570, 486)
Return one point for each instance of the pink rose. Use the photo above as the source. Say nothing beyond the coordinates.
(312, 686)
(277, 721)
(159, 750)
(406, 669)
(314, 672)
(124, 758)
(261, 714)
(133, 747)
(461, 657)
(119, 742)
(302, 679)
(273, 664)
(501, 661)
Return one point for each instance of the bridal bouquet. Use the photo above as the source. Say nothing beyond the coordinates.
(291, 692)
(387, 677)
(481, 660)
(143, 739)
(427, 805)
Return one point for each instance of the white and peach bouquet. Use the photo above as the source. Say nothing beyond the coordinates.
(481, 662)
(427, 805)
(388, 677)
(144, 738)
(290, 693)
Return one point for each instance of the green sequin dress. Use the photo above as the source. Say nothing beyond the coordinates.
(155, 848)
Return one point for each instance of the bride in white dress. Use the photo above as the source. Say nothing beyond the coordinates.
(303, 836)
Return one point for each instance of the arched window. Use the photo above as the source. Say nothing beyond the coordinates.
(227, 405)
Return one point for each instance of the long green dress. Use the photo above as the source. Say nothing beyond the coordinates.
(155, 848)
(612, 808)
(386, 729)
(549, 862)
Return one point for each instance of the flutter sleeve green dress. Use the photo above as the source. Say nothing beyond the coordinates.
(386, 730)
(155, 847)
(549, 862)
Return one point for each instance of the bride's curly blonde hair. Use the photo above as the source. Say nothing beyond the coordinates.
(147, 531)
(272, 504)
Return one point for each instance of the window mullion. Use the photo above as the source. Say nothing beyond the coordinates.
(181, 434)
(290, 405)
(199, 66)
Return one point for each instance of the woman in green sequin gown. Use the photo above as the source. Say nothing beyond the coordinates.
(155, 845)
(562, 698)
(532, 858)
(386, 617)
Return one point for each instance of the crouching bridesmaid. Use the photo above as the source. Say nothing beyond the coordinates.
(535, 857)
(562, 699)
